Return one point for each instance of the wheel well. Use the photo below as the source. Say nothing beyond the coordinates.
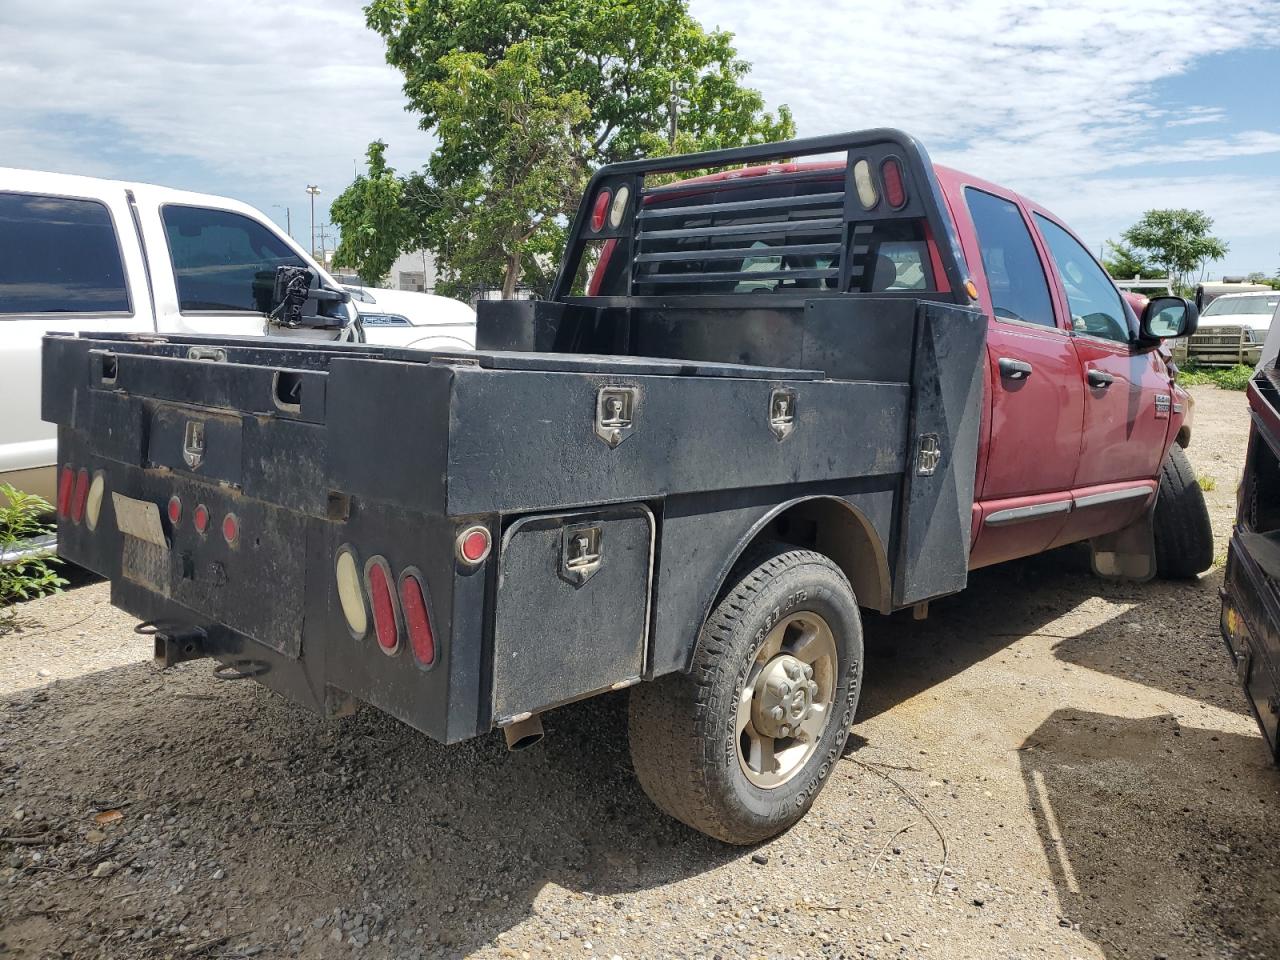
(837, 530)
(1183, 438)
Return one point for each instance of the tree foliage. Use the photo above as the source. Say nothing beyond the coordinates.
(375, 220)
(601, 80)
(490, 214)
(1124, 263)
(1178, 241)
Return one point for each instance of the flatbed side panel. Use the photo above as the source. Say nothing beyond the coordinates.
(526, 441)
(950, 344)
(1257, 654)
(703, 535)
(387, 429)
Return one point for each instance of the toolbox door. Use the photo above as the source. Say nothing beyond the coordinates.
(572, 615)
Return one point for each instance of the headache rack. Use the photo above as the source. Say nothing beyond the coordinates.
(849, 213)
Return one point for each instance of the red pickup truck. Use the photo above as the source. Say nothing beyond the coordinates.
(756, 403)
(1084, 421)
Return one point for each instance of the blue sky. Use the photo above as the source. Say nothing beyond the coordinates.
(1099, 109)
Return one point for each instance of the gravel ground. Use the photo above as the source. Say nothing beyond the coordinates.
(1080, 746)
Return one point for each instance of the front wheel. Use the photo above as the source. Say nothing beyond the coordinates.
(1183, 534)
(739, 747)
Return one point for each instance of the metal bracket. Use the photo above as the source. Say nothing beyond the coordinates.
(928, 454)
(615, 413)
(580, 552)
(782, 412)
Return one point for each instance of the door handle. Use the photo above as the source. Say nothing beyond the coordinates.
(1099, 378)
(1012, 369)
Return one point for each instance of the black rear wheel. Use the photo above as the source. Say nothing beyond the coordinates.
(739, 747)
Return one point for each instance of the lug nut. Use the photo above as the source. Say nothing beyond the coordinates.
(784, 731)
(808, 672)
(813, 690)
(777, 713)
(784, 689)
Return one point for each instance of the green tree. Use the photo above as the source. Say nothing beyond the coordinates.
(620, 74)
(1178, 241)
(375, 221)
(491, 213)
(1123, 263)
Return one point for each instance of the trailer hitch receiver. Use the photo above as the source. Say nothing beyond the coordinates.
(173, 644)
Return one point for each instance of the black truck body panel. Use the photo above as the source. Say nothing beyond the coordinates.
(1251, 583)
(621, 453)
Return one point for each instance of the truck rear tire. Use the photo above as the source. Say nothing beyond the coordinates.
(1183, 534)
(788, 635)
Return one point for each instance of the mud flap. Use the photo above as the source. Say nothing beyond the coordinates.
(1129, 553)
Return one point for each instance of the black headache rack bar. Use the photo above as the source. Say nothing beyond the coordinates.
(822, 225)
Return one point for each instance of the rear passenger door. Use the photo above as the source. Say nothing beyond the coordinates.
(1035, 392)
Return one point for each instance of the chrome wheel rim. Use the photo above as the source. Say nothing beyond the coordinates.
(787, 700)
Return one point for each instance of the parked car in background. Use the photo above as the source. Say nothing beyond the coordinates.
(1232, 329)
(404, 318)
(80, 253)
(1208, 292)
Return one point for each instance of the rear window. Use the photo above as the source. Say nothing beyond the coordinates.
(1265, 304)
(223, 261)
(775, 235)
(59, 255)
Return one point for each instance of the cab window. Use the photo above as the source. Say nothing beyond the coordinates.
(1096, 307)
(223, 261)
(59, 255)
(1015, 275)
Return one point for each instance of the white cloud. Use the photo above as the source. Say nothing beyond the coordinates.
(1026, 93)
(267, 95)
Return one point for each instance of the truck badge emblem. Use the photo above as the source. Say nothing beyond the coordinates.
(615, 413)
(580, 553)
(782, 412)
(1163, 403)
(928, 454)
(193, 444)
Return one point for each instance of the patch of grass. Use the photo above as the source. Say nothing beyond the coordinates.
(1227, 378)
(1207, 484)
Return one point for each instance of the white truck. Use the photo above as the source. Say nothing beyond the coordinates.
(81, 253)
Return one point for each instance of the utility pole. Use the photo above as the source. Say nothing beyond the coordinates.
(288, 219)
(313, 190)
(324, 252)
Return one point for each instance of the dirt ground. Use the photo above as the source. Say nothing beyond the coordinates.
(1075, 752)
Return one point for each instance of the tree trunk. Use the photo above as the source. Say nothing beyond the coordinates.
(512, 275)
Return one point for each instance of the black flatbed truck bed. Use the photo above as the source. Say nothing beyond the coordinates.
(553, 515)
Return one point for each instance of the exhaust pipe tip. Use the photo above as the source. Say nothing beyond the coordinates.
(524, 733)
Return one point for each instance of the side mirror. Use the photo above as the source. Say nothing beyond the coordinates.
(293, 290)
(1167, 317)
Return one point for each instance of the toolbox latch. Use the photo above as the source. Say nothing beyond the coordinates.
(580, 552)
(615, 413)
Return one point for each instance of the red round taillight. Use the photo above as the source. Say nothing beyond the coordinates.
(599, 211)
(417, 618)
(386, 614)
(175, 509)
(80, 495)
(200, 518)
(66, 483)
(894, 191)
(231, 529)
(474, 544)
